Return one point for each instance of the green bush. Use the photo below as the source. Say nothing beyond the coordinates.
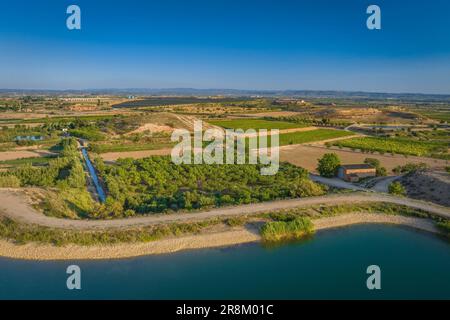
(409, 167)
(396, 188)
(283, 230)
(9, 181)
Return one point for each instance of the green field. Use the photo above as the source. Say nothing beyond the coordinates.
(256, 124)
(124, 147)
(393, 145)
(33, 161)
(311, 136)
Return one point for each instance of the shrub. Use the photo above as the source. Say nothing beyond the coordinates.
(9, 182)
(380, 171)
(409, 167)
(397, 189)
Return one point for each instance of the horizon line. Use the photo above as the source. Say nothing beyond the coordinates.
(223, 89)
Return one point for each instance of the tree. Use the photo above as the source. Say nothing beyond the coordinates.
(397, 189)
(328, 165)
(380, 171)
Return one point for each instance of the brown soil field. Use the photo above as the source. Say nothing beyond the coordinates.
(13, 155)
(150, 127)
(307, 156)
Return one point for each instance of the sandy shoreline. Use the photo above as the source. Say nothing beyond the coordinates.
(35, 251)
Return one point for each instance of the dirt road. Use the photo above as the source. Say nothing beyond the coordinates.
(13, 204)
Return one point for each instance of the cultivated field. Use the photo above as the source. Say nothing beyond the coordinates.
(393, 145)
(256, 124)
(312, 136)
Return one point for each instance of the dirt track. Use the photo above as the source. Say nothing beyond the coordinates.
(14, 204)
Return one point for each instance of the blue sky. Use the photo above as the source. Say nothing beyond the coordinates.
(246, 44)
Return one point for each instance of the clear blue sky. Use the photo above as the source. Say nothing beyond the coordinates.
(246, 44)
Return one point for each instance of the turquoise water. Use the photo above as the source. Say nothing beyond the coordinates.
(330, 265)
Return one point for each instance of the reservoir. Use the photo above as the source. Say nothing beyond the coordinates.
(332, 264)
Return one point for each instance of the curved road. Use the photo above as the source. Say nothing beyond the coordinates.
(13, 204)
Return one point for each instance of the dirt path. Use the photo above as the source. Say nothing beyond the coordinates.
(34, 251)
(383, 184)
(14, 204)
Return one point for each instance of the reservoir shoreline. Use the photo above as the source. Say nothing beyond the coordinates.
(236, 236)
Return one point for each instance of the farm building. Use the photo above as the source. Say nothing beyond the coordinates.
(355, 172)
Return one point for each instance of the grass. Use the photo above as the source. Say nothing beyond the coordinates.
(394, 145)
(443, 115)
(23, 233)
(71, 203)
(283, 230)
(124, 147)
(306, 136)
(256, 124)
(311, 136)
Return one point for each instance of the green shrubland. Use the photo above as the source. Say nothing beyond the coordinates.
(290, 229)
(157, 185)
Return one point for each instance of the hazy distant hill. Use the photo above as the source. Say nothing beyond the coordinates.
(233, 93)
